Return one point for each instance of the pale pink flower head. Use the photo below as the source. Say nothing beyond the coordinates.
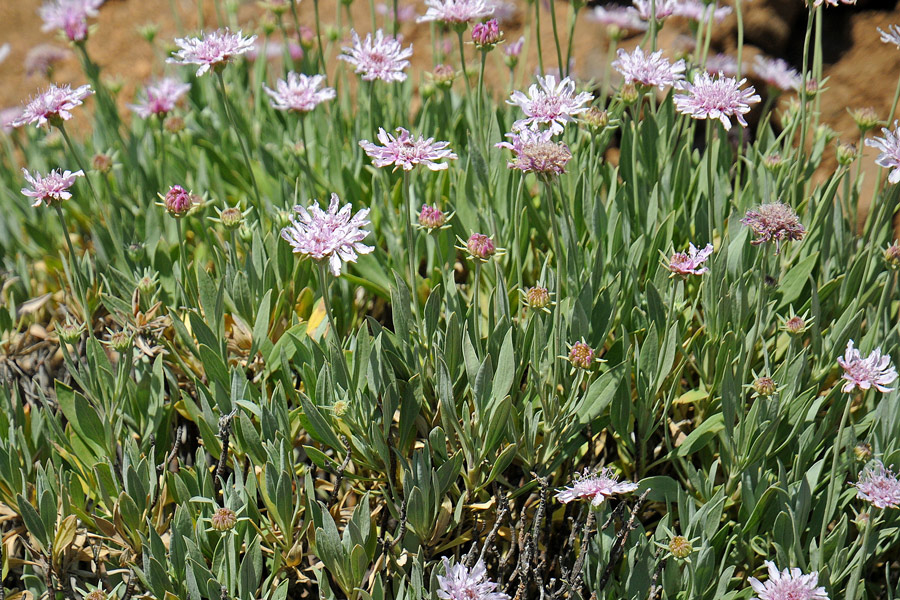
(480, 246)
(275, 50)
(832, 2)
(776, 72)
(503, 11)
(52, 106)
(597, 487)
(212, 50)
(879, 486)
(889, 151)
(514, 49)
(664, 8)
(459, 583)
(50, 188)
(406, 12)
(690, 263)
(621, 18)
(722, 64)
(335, 236)
(299, 92)
(549, 103)
(715, 98)
(8, 116)
(42, 58)
(382, 57)
(891, 36)
(456, 12)
(69, 16)
(774, 222)
(406, 151)
(160, 97)
(650, 70)
(700, 11)
(874, 371)
(536, 152)
(790, 584)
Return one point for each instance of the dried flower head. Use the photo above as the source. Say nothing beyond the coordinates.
(381, 58)
(775, 222)
(51, 188)
(581, 355)
(691, 263)
(41, 59)
(892, 256)
(223, 519)
(776, 72)
(160, 97)
(680, 547)
(299, 93)
(102, 162)
(335, 235)
(480, 247)
(790, 584)
(889, 148)
(486, 35)
(431, 217)
(406, 151)
(597, 487)
(96, 595)
(715, 98)
(212, 50)
(69, 16)
(875, 370)
(536, 152)
(52, 106)
(455, 12)
(879, 486)
(549, 103)
(649, 70)
(459, 583)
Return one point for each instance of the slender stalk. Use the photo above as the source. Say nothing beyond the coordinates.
(832, 480)
(517, 233)
(560, 276)
(479, 114)
(237, 133)
(76, 272)
(760, 320)
(183, 257)
(537, 27)
(654, 26)
(162, 151)
(798, 164)
(396, 19)
(476, 307)
(411, 249)
(321, 57)
(77, 157)
(556, 36)
(710, 181)
(462, 61)
(611, 45)
(856, 582)
(573, 16)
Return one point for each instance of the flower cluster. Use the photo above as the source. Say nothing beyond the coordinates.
(211, 51)
(690, 263)
(69, 17)
(536, 152)
(299, 93)
(889, 151)
(774, 222)
(549, 103)
(382, 57)
(715, 98)
(789, 584)
(456, 12)
(878, 486)
(459, 583)
(649, 70)
(777, 73)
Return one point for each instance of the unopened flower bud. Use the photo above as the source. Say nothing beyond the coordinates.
(596, 118)
(333, 34)
(537, 297)
(69, 332)
(892, 256)
(431, 217)
(795, 325)
(863, 452)
(443, 76)
(680, 547)
(102, 162)
(486, 35)
(480, 246)
(173, 124)
(865, 118)
(178, 201)
(147, 285)
(148, 31)
(232, 217)
(773, 161)
(629, 93)
(845, 154)
(120, 341)
(764, 386)
(581, 355)
(223, 519)
(245, 233)
(307, 37)
(282, 218)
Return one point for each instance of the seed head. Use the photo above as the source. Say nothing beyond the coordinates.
(775, 222)
(223, 519)
(536, 152)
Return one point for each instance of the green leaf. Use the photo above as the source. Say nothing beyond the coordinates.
(703, 435)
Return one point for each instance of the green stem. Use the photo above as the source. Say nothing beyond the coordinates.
(654, 26)
(237, 133)
(321, 57)
(78, 161)
(480, 99)
(162, 151)
(185, 269)
(710, 181)
(476, 307)
(517, 225)
(856, 582)
(760, 320)
(573, 16)
(462, 60)
(556, 37)
(832, 481)
(537, 28)
(411, 249)
(560, 276)
(76, 273)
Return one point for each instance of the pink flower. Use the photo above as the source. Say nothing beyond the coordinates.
(514, 49)
(431, 217)
(722, 64)
(486, 34)
(42, 58)
(458, 583)
(536, 152)
(581, 355)
(160, 97)
(53, 105)
(774, 222)
(480, 246)
(178, 201)
(455, 12)
(700, 11)
(889, 148)
(776, 73)
(690, 263)
(404, 13)
(8, 116)
(788, 585)
(406, 151)
(832, 2)
(211, 51)
(597, 487)
(275, 50)
(719, 98)
(621, 17)
(648, 69)
(69, 16)
(299, 92)
(891, 36)
(664, 8)
(383, 58)
(875, 370)
(879, 486)
(335, 235)
(549, 103)
(50, 188)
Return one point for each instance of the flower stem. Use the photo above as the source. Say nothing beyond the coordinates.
(537, 27)
(462, 61)
(560, 276)
(237, 132)
(321, 57)
(77, 157)
(182, 255)
(832, 481)
(562, 69)
(856, 582)
(75, 273)
(476, 307)
(162, 152)
(326, 299)
(411, 249)
(710, 181)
